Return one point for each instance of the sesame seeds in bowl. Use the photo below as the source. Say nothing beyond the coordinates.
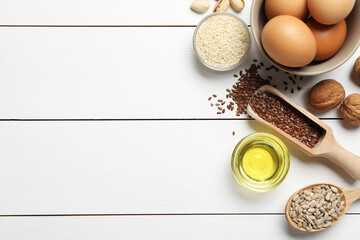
(222, 41)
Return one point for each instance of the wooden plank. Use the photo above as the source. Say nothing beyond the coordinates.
(104, 12)
(128, 167)
(121, 73)
(167, 227)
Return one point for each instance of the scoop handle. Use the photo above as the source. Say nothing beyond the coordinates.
(345, 159)
(352, 196)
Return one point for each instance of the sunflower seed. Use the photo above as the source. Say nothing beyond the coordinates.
(317, 207)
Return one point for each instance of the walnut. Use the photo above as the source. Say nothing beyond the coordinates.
(326, 95)
(350, 109)
(357, 67)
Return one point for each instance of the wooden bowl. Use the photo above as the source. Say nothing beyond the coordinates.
(352, 41)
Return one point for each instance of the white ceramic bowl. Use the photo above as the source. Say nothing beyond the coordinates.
(352, 41)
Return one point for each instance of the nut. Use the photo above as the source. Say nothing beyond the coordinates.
(222, 6)
(357, 67)
(200, 6)
(326, 95)
(350, 109)
(237, 5)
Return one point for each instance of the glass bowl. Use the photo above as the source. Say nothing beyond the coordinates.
(234, 65)
(260, 162)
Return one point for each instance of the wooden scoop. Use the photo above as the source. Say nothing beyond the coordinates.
(326, 147)
(350, 196)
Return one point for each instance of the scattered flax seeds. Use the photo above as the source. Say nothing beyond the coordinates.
(244, 88)
(248, 82)
(238, 97)
(221, 41)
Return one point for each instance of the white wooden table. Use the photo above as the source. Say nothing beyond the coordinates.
(107, 133)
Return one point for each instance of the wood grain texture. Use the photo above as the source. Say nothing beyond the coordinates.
(167, 227)
(104, 12)
(127, 167)
(122, 73)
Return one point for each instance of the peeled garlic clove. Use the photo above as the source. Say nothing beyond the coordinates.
(200, 6)
(222, 6)
(237, 5)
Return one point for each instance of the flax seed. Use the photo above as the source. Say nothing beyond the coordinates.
(285, 117)
(292, 80)
(247, 84)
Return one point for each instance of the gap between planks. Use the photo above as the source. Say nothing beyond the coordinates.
(148, 214)
(96, 26)
(133, 119)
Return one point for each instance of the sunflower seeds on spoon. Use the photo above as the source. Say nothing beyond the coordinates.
(317, 207)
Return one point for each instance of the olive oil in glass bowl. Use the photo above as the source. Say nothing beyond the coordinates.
(260, 162)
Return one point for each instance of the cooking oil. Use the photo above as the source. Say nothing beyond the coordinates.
(260, 162)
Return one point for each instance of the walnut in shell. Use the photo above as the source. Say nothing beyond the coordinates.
(350, 109)
(326, 95)
(357, 67)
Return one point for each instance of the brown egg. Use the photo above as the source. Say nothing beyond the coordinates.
(289, 41)
(329, 38)
(296, 8)
(330, 11)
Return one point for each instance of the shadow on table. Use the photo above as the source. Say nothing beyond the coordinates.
(297, 234)
(205, 71)
(354, 78)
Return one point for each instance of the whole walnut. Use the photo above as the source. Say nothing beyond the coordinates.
(350, 109)
(357, 67)
(326, 95)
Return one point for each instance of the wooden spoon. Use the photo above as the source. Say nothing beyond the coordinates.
(350, 196)
(326, 147)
